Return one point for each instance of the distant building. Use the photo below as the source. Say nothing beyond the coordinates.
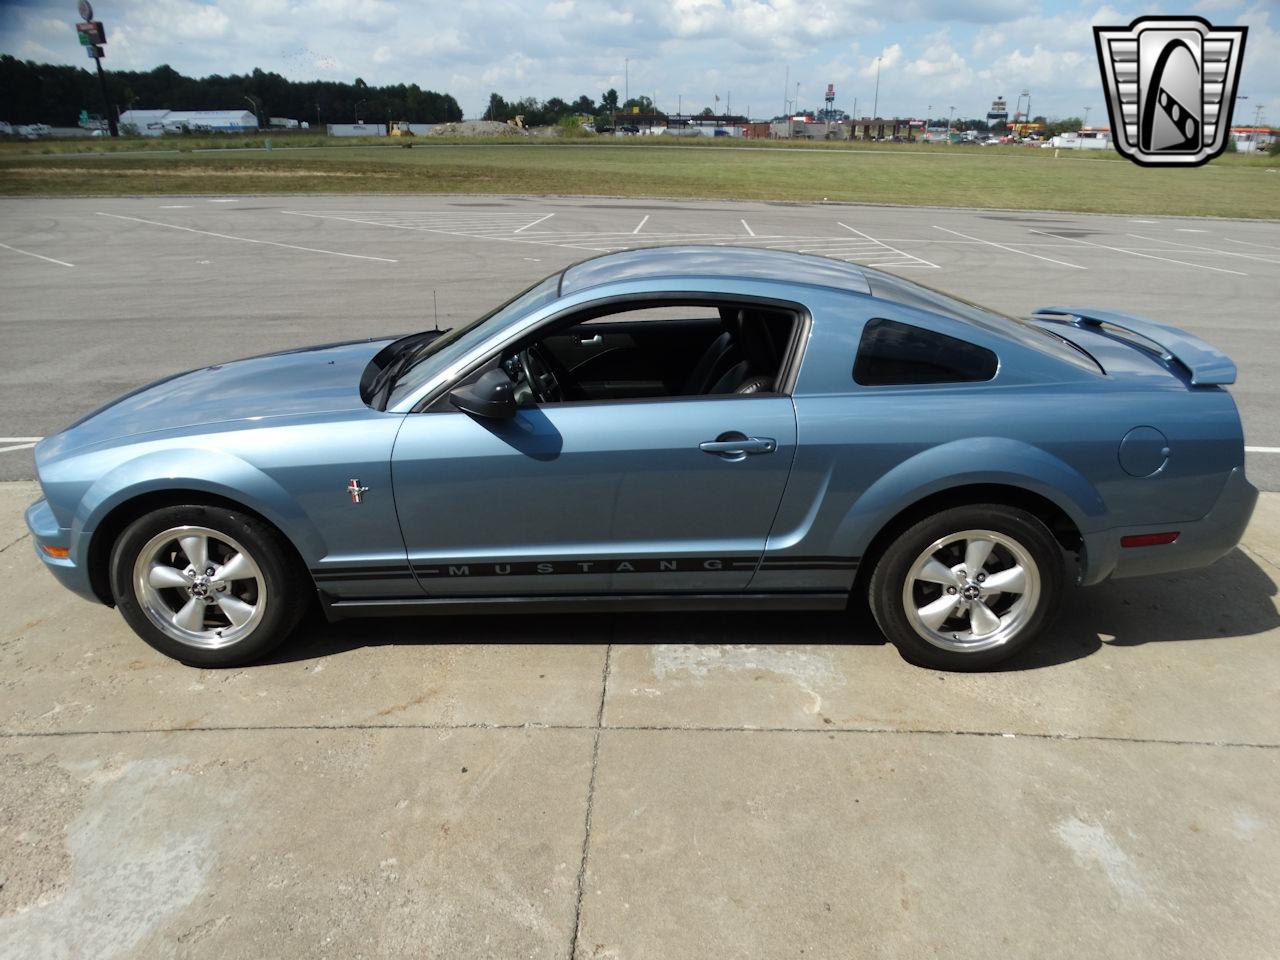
(1089, 138)
(155, 123)
(357, 129)
(1253, 139)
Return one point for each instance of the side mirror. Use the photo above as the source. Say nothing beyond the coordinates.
(492, 396)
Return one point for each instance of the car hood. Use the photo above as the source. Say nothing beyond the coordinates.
(307, 381)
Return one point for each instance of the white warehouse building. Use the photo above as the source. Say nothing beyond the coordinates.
(154, 123)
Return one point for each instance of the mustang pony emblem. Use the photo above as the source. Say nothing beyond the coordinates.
(357, 492)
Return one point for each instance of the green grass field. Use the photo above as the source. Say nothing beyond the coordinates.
(1009, 177)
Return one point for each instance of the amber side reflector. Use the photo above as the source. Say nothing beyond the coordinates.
(1149, 539)
(58, 553)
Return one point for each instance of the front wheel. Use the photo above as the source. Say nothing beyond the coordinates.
(205, 585)
(968, 587)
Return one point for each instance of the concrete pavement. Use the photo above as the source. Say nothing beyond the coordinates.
(646, 786)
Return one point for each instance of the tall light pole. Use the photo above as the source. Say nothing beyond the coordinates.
(1086, 115)
(786, 85)
(626, 82)
(950, 114)
(797, 96)
(256, 119)
(875, 104)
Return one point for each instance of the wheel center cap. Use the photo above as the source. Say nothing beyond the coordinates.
(200, 587)
(971, 591)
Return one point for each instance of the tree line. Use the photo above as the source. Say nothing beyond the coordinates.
(55, 94)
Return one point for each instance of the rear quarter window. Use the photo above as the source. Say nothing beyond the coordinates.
(894, 354)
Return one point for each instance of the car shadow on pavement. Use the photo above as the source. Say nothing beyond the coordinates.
(1234, 597)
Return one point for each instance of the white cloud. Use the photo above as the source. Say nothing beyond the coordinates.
(964, 52)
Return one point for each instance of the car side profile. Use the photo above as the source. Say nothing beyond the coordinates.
(670, 428)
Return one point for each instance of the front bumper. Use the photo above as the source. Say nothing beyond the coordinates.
(45, 531)
(1200, 542)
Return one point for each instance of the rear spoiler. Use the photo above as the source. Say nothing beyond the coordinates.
(1206, 365)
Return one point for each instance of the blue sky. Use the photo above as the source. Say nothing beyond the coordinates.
(939, 52)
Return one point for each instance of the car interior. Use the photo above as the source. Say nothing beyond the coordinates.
(642, 351)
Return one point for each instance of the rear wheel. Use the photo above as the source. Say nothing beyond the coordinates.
(968, 587)
(205, 585)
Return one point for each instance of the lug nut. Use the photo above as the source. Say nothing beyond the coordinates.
(951, 589)
(981, 577)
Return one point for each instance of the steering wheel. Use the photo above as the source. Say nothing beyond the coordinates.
(539, 376)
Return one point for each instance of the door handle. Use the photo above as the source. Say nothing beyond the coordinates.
(590, 341)
(735, 446)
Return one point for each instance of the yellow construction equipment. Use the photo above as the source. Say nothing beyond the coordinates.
(400, 128)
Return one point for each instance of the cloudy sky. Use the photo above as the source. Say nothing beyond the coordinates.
(939, 52)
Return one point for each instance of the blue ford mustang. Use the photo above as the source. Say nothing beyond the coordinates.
(692, 427)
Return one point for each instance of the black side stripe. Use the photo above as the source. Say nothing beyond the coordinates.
(569, 567)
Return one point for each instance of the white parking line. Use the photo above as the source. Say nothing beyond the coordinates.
(445, 233)
(641, 223)
(1249, 243)
(534, 223)
(908, 259)
(19, 446)
(227, 236)
(1193, 246)
(28, 253)
(1262, 449)
(746, 227)
(1135, 253)
(1001, 246)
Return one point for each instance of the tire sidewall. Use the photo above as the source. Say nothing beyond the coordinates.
(889, 579)
(280, 582)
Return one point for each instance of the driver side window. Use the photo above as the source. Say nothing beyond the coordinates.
(643, 351)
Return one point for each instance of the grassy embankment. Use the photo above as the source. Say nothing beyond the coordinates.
(1011, 177)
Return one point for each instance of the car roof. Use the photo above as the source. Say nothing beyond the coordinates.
(747, 263)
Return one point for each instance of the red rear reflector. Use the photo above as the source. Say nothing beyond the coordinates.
(58, 553)
(1148, 539)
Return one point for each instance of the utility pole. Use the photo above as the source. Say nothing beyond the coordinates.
(1086, 115)
(949, 116)
(875, 104)
(786, 86)
(626, 82)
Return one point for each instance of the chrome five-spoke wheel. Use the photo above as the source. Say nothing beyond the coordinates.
(199, 586)
(972, 590)
(968, 586)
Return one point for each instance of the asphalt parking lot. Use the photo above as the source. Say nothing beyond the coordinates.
(620, 786)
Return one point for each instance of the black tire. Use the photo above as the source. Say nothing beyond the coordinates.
(889, 581)
(283, 584)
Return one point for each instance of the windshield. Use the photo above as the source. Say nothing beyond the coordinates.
(917, 295)
(455, 343)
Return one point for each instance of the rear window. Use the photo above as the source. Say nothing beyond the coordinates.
(910, 294)
(894, 354)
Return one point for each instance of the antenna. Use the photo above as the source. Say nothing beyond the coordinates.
(435, 308)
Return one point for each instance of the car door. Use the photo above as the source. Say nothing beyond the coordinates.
(632, 496)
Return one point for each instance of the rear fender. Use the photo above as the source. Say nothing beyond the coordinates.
(981, 460)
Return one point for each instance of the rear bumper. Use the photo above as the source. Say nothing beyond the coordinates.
(1200, 542)
(45, 531)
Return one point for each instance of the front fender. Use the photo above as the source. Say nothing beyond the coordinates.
(202, 470)
(981, 460)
